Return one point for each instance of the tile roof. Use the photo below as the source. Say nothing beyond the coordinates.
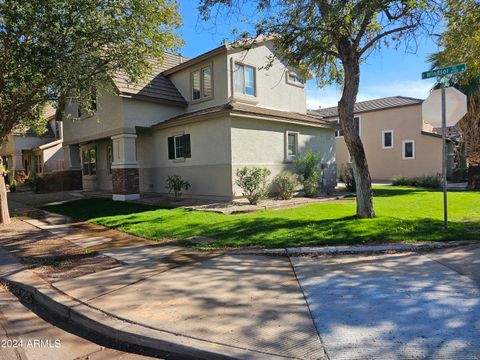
(234, 107)
(155, 85)
(372, 105)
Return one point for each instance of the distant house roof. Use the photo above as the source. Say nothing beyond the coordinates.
(155, 86)
(372, 105)
(236, 108)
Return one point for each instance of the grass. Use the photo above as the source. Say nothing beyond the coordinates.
(403, 214)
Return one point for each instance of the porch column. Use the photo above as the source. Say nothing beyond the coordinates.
(125, 178)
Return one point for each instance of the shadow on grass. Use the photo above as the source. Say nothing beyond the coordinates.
(274, 232)
(86, 209)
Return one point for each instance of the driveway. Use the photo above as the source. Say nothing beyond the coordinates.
(396, 306)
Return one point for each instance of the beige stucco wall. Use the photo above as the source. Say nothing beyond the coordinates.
(209, 168)
(261, 143)
(147, 113)
(107, 120)
(53, 158)
(16, 143)
(406, 123)
(272, 89)
(182, 80)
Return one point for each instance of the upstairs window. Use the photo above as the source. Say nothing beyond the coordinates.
(294, 79)
(89, 161)
(202, 83)
(244, 79)
(179, 147)
(339, 132)
(387, 139)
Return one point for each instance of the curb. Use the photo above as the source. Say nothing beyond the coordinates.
(354, 250)
(124, 333)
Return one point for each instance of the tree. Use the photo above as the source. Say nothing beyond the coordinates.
(331, 38)
(51, 49)
(461, 44)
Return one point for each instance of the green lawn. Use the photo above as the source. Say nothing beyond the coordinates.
(403, 214)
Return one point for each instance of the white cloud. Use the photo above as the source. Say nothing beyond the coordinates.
(329, 96)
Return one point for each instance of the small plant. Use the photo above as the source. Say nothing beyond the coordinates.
(346, 176)
(286, 184)
(307, 164)
(13, 185)
(253, 182)
(36, 183)
(310, 185)
(432, 182)
(307, 167)
(176, 184)
(459, 175)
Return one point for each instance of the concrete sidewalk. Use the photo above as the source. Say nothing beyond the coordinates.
(185, 303)
(182, 302)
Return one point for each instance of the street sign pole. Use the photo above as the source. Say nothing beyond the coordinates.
(443, 74)
(444, 159)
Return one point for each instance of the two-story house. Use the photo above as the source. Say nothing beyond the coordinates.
(27, 154)
(396, 140)
(201, 119)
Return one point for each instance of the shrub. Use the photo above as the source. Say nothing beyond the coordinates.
(346, 176)
(253, 182)
(36, 183)
(176, 184)
(432, 182)
(286, 184)
(310, 185)
(307, 164)
(459, 175)
(307, 167)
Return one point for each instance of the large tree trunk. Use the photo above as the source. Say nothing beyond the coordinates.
(351, 67)
(4, 214)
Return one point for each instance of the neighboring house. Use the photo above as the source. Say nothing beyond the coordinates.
(396, 140)
(30, 154)
(202, 119)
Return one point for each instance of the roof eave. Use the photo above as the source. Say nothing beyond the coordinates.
(128, 95)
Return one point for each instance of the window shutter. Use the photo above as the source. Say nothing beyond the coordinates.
(171, 148)
(186, 146)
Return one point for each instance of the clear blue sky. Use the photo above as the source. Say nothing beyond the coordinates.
(386, 72)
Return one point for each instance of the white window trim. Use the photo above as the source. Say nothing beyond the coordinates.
(88, 148)
(294, 83)
(255, 89)
(413, 148)
(297, 135)
(337, 120)
(175, 136)
(383, 139)
(200, 71)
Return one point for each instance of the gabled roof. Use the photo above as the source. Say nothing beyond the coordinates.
(236, 108)
(155, 86)
(372, 105)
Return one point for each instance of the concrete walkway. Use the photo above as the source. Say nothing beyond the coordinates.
(245, 306)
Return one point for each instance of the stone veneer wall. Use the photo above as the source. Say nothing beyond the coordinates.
(125, 181)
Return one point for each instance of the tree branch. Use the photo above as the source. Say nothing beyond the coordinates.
(382, 35)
